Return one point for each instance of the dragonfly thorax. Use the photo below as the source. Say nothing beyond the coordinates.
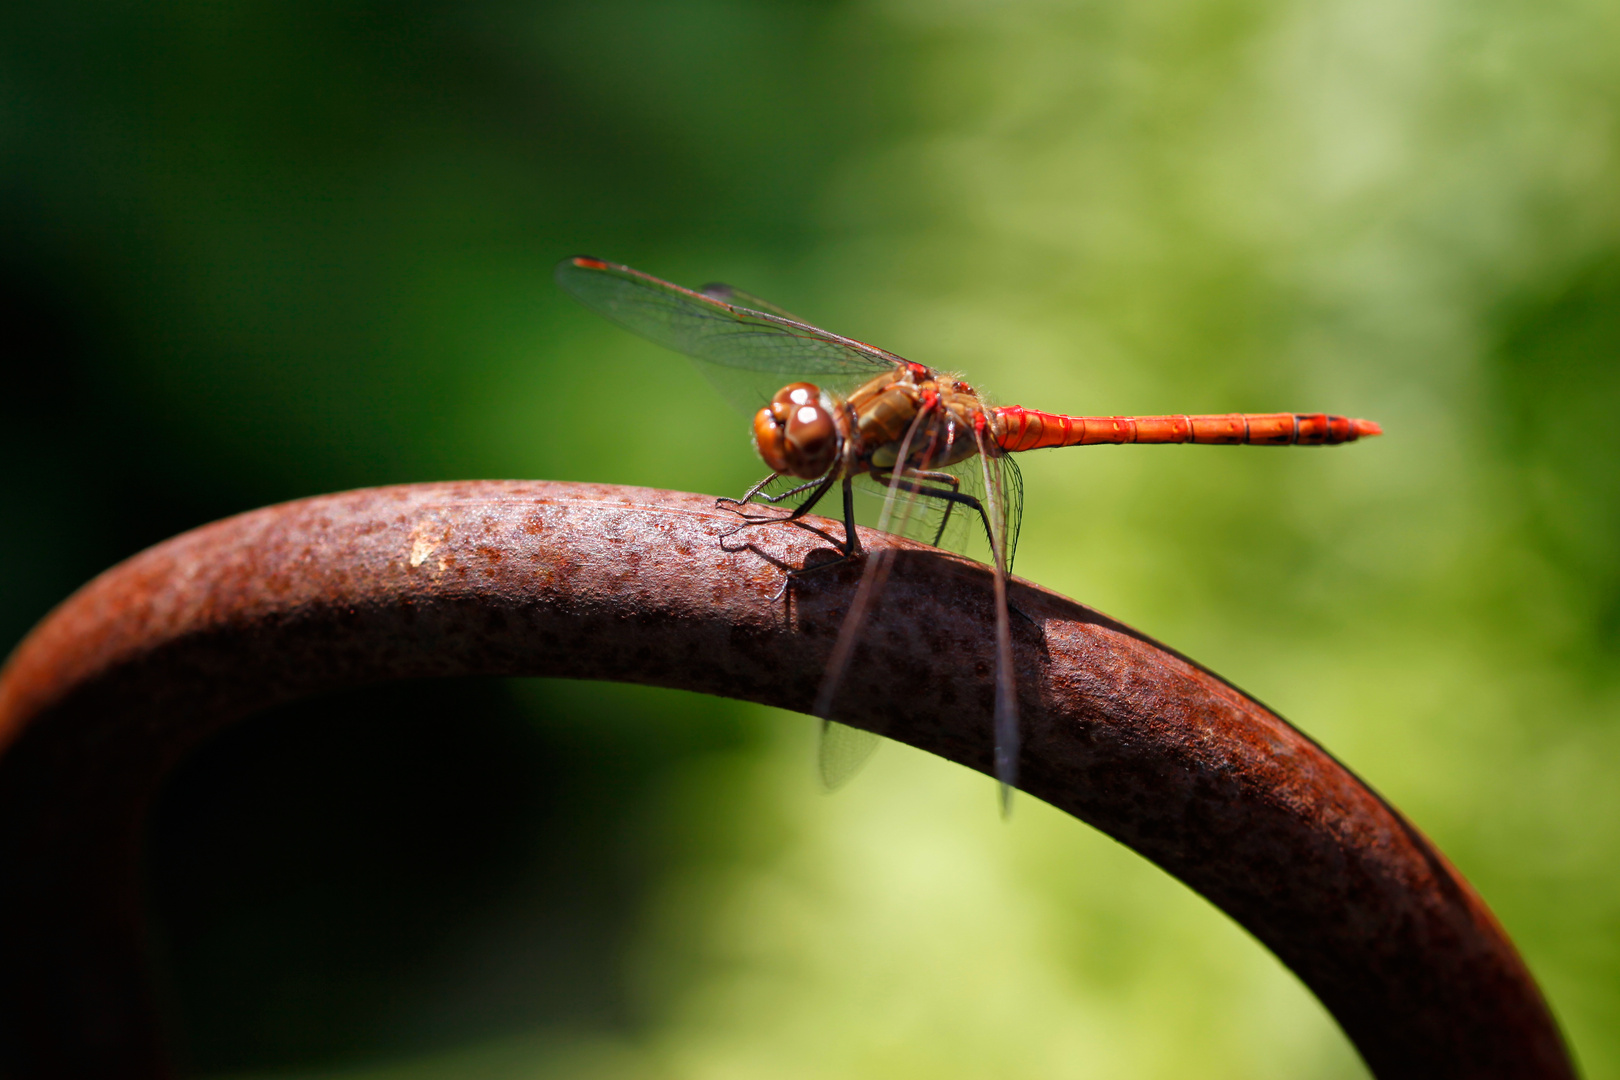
(796, 433)
(925, 415)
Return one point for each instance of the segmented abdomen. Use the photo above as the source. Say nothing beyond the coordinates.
(1026, 429)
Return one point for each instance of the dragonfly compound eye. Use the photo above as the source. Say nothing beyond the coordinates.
(795, 434)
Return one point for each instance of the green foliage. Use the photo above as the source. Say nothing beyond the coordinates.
(259, 251)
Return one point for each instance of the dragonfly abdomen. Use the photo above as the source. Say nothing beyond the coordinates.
(1027, 429)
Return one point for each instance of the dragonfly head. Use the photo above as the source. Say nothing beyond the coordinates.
(796, 432)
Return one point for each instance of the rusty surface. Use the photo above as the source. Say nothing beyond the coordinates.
(630, 584)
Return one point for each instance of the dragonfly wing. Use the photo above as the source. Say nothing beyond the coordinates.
(712, 329)
(927, 517)
(730, 294)
(983, 496)
(835, 738)
(844, 750)
(1006, 476)
(1004, 494)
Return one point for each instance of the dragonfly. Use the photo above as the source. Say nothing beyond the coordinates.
(927, 440)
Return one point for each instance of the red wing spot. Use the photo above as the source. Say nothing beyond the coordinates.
(586, 263)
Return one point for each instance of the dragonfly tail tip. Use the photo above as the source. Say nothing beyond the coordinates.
(1366, 428)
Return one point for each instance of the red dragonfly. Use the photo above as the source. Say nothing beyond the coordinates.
(926, 438)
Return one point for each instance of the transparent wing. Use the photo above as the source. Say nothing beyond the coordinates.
(1012, 501)
(712, 328)
(985, 497)
(977, 503)
(730, 294)
(844, 750)
(1006, 490)
(927, 516)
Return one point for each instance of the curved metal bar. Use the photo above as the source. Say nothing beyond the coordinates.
(602, 582)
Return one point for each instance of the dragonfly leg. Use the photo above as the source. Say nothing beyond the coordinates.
(950, 504)
(790, 492)
(821, 486)
(913, 482)
(852, 541)
(758, 492)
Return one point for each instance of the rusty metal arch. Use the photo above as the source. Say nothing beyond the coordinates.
(592, 581)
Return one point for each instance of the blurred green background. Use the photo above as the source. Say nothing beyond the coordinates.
(257, 251)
